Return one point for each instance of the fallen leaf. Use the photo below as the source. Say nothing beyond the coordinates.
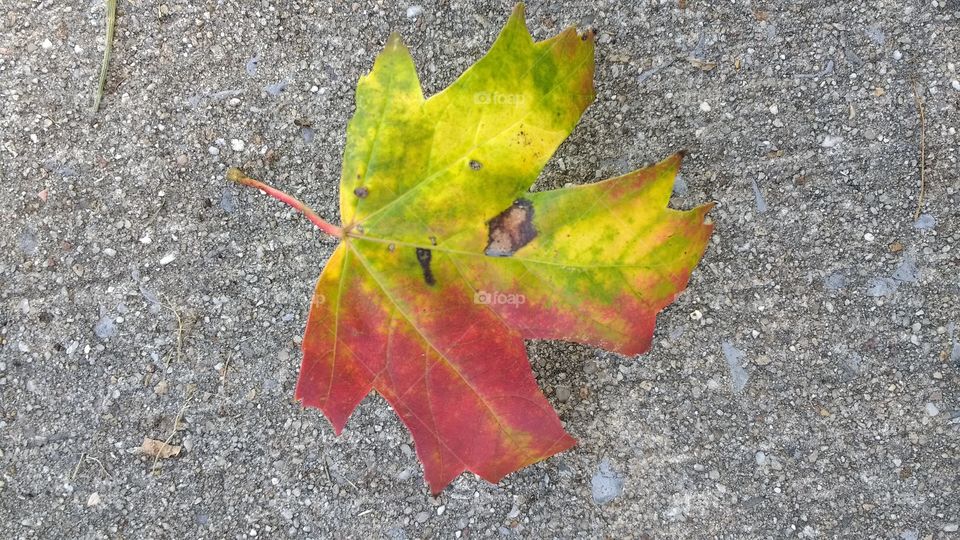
(447, 261)
(158, 449)
(702, 64)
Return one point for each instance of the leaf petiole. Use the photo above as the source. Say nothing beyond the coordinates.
(238, 176)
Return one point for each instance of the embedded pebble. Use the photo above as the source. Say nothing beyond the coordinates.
(734, 358)
(237, 145)
(228, 200)
(760, 201)
(705, 107)
(168, 258)
(276, 88)
(251, 65)
(607, 484)
(932, 409)
(831, 141)
(835, 281)
(105, 327)
(414, 11)
(679, 185)
(28, 241)
(882, 286)
(925, 221)
(907, 270)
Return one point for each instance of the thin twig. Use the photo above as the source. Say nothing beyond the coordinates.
(923, 148)
(108, 48)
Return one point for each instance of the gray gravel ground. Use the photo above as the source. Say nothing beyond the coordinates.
(805, 385)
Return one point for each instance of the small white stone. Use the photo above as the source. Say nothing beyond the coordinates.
(237, 145)
(441, 509)
(955, 84)
(830, 141)
(93, 499)
(47, 45)
(109, 252)
(868, 237)
(213, 150)
(932, 409)
(705, 107)
(774, 109)
(167, 259)
(234, 102)
(897, 55)
(414, 11)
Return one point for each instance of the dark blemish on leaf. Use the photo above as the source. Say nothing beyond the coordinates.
(359, 229)
(361, 192)
(423, 257)
(391, 247)
(523, 139)
(433, 240)
(475, 165)
(511, 230)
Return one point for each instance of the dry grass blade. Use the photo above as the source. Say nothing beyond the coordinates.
(108, 48)
(173, 432)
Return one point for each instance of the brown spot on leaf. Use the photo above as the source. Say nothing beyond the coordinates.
(511, 230)
(423, 257)
(361, 192)
(391, 246)
(475, 165)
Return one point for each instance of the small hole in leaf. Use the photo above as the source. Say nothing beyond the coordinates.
(475, 165)
(361, 192)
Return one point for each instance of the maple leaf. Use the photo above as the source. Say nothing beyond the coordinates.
(447, 261)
